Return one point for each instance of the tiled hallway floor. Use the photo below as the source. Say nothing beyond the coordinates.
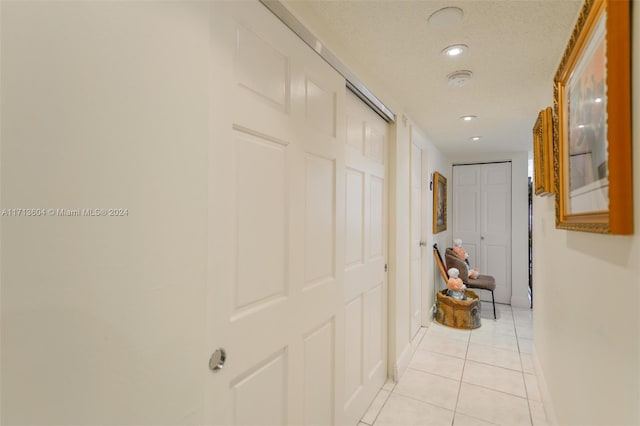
(467, 377)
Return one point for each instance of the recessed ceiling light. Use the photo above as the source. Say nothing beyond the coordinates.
(476, 138)
(597, 100)
(445, 17)
(468, 117)
(455, 50)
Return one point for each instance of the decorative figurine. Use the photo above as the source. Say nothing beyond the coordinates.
(464, 256)
(455, 287)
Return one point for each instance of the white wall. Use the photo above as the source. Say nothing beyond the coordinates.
(586, 295)
(437, 162)
(104, 105)
(0, 218)
(519, 219)
(400, 237)
(399, 249)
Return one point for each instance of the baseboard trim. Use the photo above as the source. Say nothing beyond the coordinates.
(403, 362)
(550, 411)
(407, 353)
(520, 302)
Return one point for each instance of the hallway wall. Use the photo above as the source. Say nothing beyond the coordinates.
(587, 323)
(104, 105)
(437, 162)
(406, 133)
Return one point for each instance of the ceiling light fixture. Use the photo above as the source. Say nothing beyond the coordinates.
(597, 100)
(459, 78)
(445, 17)
(476, 138)
(468, 117)
(455, 50)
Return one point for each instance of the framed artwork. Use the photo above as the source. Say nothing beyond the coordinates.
(543, 152)
(439, 203)
(592, 123)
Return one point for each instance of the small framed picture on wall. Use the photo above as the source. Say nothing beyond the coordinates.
(439, 203)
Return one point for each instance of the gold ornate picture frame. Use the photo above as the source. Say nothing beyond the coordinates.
(592, 123)
(439, 203)
(543, 152)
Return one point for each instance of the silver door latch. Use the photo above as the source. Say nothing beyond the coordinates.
(216, 362)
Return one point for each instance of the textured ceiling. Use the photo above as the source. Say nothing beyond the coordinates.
(514, 50)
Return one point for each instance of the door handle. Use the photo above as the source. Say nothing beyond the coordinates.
(423, 243)
(217, 360)
(482, 238)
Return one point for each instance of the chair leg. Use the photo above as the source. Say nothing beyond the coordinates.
(493, 300)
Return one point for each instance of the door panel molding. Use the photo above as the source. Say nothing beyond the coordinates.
(482, 219)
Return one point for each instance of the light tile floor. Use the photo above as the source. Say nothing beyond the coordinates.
(467, 377)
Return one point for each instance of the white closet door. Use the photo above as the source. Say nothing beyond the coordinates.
(495, 239)
(482, 219)
(276, 240)
(365, 297)
(466, 191)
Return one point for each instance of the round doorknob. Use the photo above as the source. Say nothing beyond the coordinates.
(217, 360)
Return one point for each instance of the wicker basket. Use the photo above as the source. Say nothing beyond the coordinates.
(456, 313)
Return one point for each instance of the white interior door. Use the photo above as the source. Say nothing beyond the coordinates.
(276, 240)
(482, 219)
(417, 219)
(365, 297)
(495, 228)
(466, 193)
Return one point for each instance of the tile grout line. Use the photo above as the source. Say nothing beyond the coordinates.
(444, 353)
(497, 390)
(423, 338)
(422, 401)
(393, 388)
(431, 373)
(466, 353)
(383, 404)
(495, 366)
(521, 371)
(390, 391)
(524, 379)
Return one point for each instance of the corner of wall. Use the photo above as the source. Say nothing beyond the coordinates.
(399, 237)
(392, 354)
(402, 363)
(543, 387)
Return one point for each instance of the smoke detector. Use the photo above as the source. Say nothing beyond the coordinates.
(459, 78)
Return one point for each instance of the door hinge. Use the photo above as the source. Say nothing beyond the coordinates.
(385, 267)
